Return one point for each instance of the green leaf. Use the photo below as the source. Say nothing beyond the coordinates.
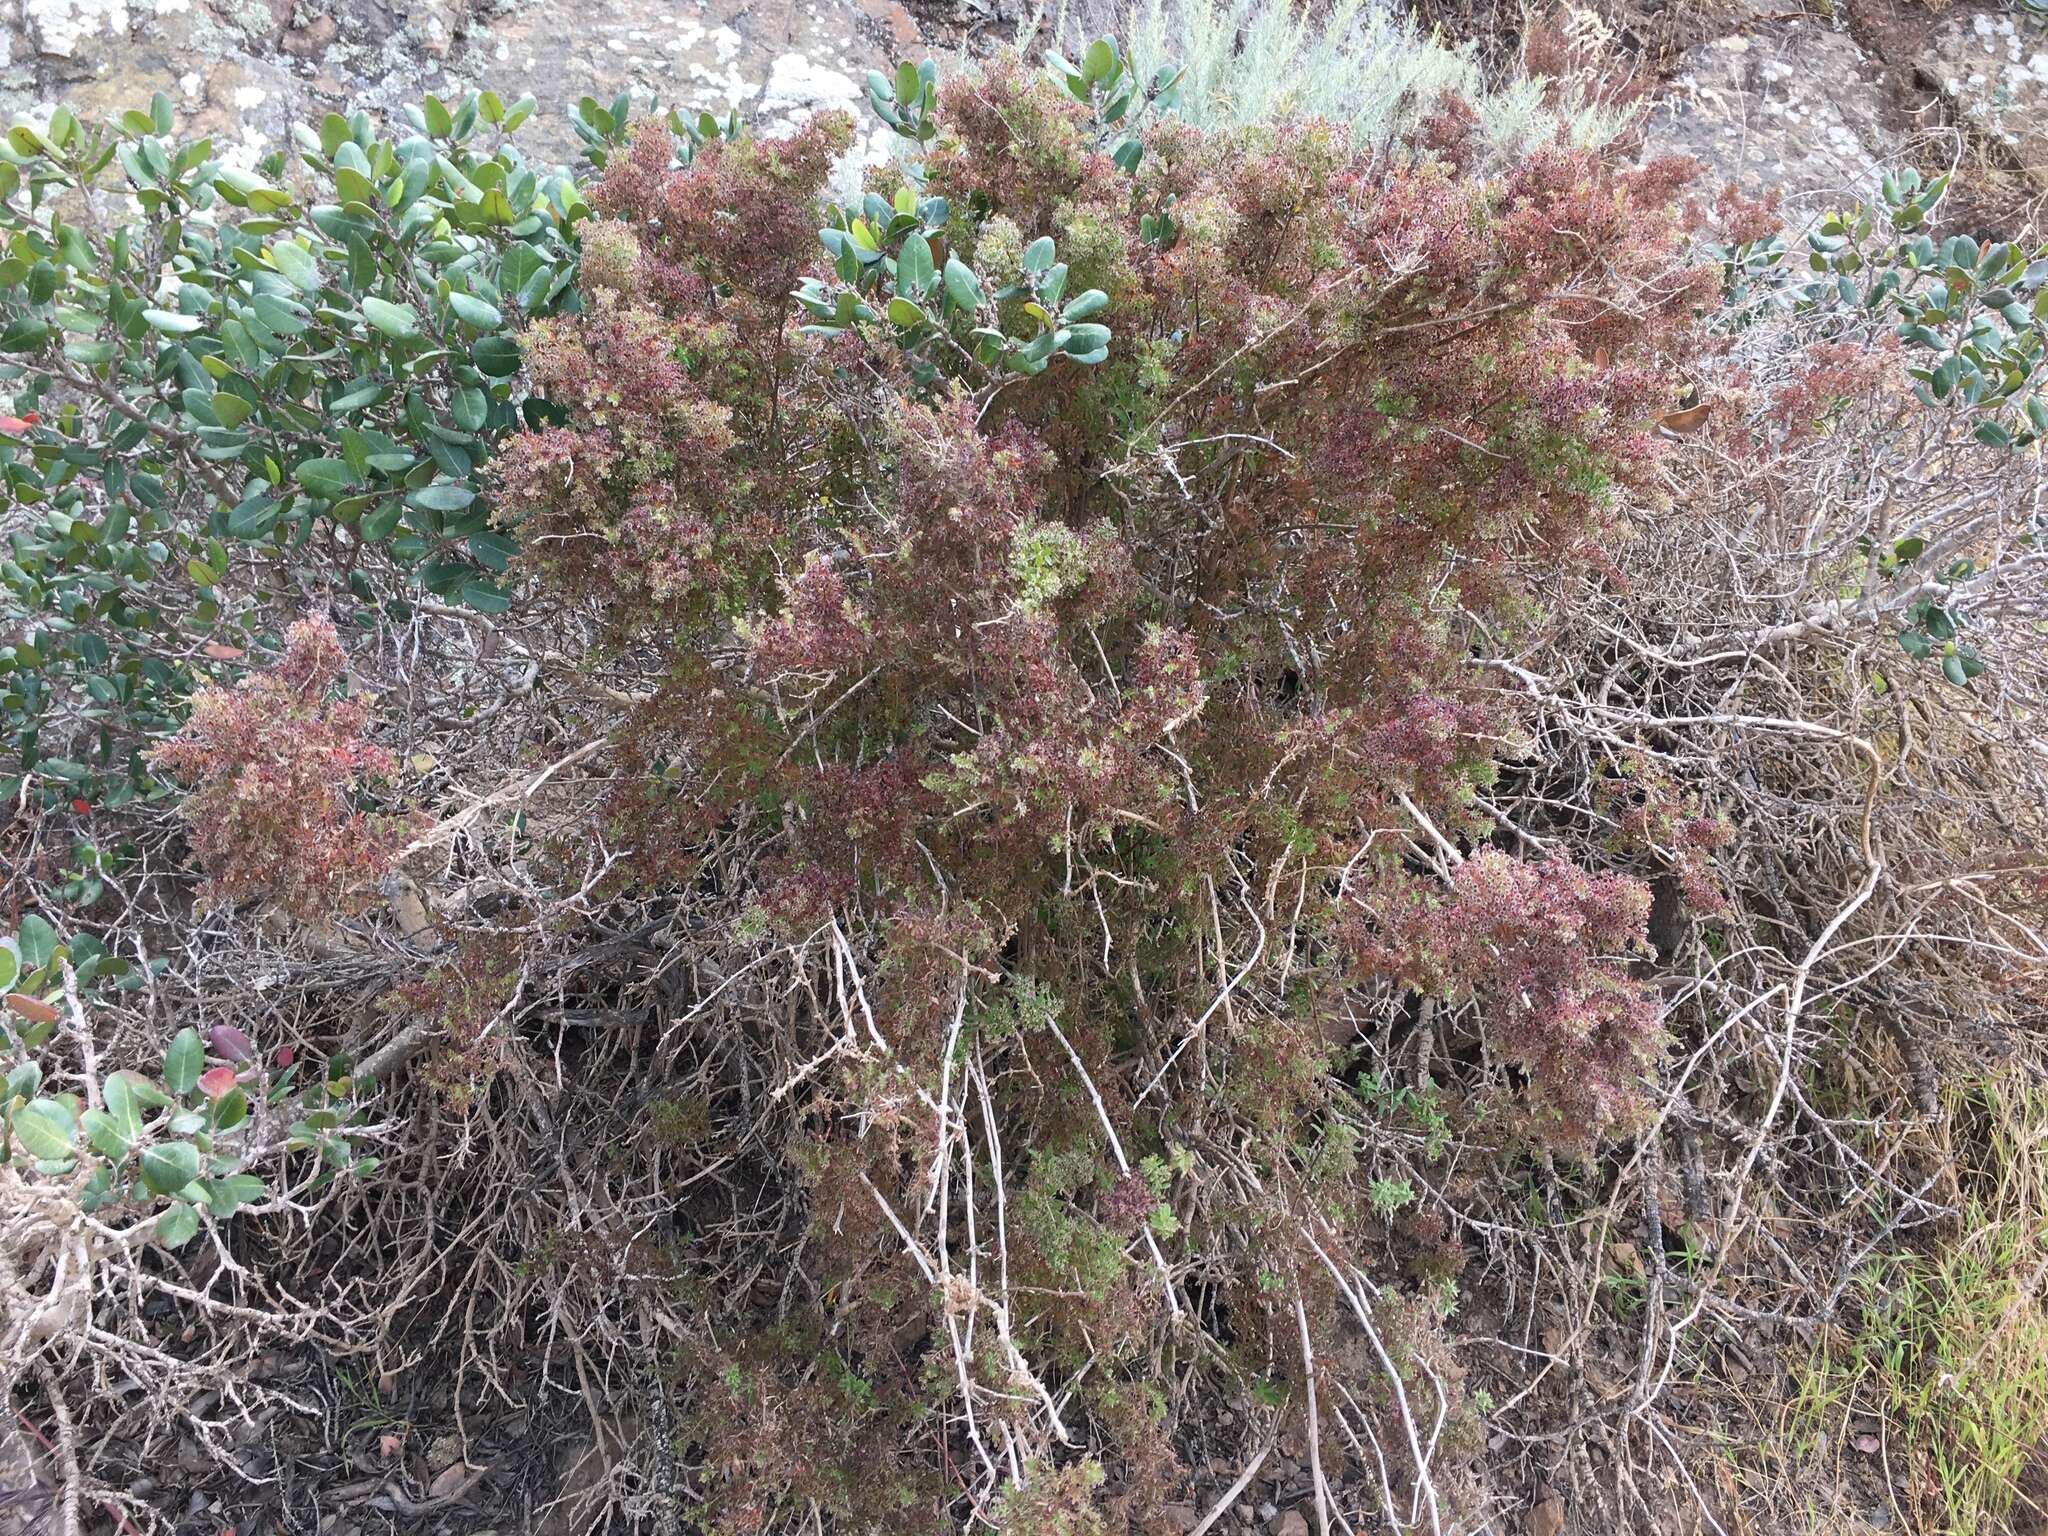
(908, 86)
(905, 313)
(253, 519)
(45, 1129)
(169, 1166)
(38, 941)
(484, 596)
(184, 1061)
(497, 356)
(1085, 304)
(329, 479)
(228, 1194)
(492, 549)
(962, 286)
(1099, 61)
(10, 967)
(178, 1224)
(1083, 339)
(471, 310)
(442, 496)
(378, 525)
(297, 264)
(172, 324)
(103, 1135)
(1952, 669)
(914, 267)
(24, 335)
(1038, 254)
(396, 320)
(125, 1104)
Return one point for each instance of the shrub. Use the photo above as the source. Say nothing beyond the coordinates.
(276, 379)
(1101, 558)
(1141, 797)
(274, 766)
(1358, 64)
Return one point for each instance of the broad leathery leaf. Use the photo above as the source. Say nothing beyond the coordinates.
(177, 1226)
(170, 1166)
(183, 1061)
(45, 1129)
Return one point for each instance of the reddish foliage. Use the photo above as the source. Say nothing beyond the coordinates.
(275, 767)
(1063, 690)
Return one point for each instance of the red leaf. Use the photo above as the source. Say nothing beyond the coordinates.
(81, 806)
(34, 1009)
(217, 1082)
(221, 652)
(285, 1055)
(17, 424)
(230, 1044)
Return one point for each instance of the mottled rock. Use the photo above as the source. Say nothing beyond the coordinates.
(58, 29)
(244, 70)
(1793, 106)
(1993, 71)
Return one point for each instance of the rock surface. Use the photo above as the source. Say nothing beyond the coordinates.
(1993, 71)
(244, 70)
(1794, 106)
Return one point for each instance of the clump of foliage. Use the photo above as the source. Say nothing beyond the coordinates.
(274, 766)
(1366, 66)
(1075, 609)
(273, 377)
(1148, 796)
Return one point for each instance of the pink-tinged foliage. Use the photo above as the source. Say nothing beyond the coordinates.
(1539, 946)
(1092, 691)
(954, 638)
(275, 766)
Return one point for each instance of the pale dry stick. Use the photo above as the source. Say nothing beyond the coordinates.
(860, 992)
(1379, 1454)
(87, 1051)
(1230, 985)
(1002, 1307)
(1123, 1163)
(1361, 1309)
(1222, 949)
(67, 1451)
(944, 1156)
(1449, 849)
(445, 831)
(1315, 1426)
(1678, 1461)
(752, 965)
(1234, 1491)
(941, 1181)
(1794, 1002)
(924, 1264)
